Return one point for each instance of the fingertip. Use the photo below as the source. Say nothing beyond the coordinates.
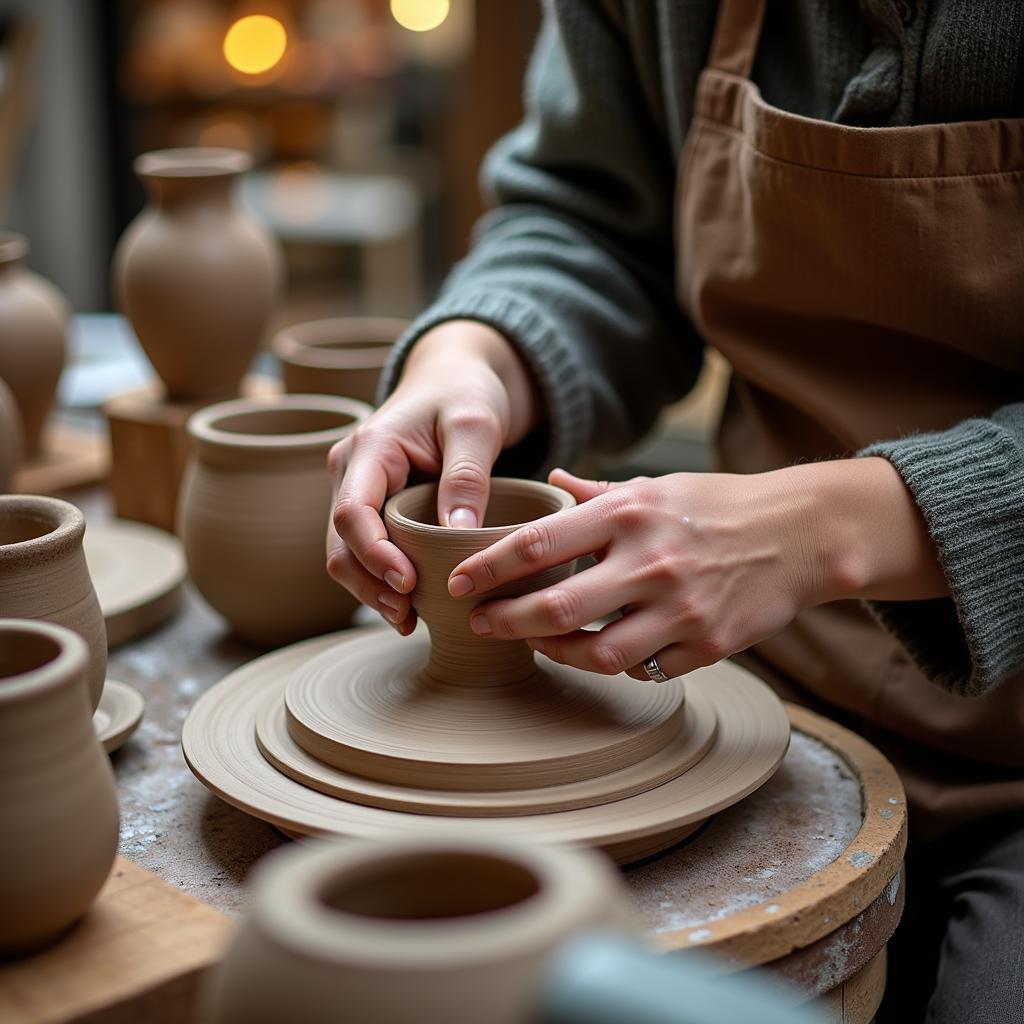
(462, 518)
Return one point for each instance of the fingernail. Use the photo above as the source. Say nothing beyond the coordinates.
(479, 624)
(395, 580)
(462, 519)
(460, 586)
(390, 600)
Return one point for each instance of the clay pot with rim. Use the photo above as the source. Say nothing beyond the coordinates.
(33, 328)
(428, 931)
(11, 441)
(338, 356)
(196, 275)
(58, 805)
(43, 574)
(253, 513)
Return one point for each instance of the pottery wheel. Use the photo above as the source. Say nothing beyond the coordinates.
(698, 756)
(137, 571)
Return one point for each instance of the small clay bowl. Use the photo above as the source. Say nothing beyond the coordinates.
(338, 356)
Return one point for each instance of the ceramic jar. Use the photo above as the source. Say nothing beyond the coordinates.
(10, 437)
(33, 325)
(254, 509)
(428, 931)
(43, 574)
(196, 276)
(340, 356)
(58, 804)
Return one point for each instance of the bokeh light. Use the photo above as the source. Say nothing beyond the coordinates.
(419, 15)
(255, 43)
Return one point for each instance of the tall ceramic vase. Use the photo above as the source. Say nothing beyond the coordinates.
(43, 574)
(430, 931)
(196, 276)
(11, 440)
(33, 325)
(58, 805)
(253, 513)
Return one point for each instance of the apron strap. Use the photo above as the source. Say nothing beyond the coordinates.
(737, 30)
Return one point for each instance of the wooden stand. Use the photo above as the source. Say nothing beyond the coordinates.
(149, 449)
(138, 955)
(71, 457)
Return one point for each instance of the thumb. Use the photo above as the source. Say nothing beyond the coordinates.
(581, 489)
(469, 451)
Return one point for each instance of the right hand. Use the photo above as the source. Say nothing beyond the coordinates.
(464, 394)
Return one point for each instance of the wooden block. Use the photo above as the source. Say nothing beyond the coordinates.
(138, 955)
(149, 449)
(71, 457)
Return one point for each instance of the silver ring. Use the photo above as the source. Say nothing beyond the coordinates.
(653, 670)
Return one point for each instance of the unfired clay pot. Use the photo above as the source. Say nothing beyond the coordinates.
(43, 574)
(196, 276)
(58, 805)
(11, 439)
(435, 932)
(254, 509)
(33, 324)
(340, 356)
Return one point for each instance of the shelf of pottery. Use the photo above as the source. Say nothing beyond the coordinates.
(466, 758)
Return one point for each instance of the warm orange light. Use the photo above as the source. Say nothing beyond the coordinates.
(255, 43)
(419, 15)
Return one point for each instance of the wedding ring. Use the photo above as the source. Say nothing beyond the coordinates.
(653, 670)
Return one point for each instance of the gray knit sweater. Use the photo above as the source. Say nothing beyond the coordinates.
(575, 263)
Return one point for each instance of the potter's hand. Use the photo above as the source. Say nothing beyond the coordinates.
(464, 394)
(702, 565)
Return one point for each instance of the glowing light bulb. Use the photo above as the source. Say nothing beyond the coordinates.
(419, 15)
(255, 43)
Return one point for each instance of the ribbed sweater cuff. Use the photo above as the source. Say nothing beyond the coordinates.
(968, 482)
(553, 360)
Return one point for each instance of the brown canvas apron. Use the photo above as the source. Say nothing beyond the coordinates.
(863, 283)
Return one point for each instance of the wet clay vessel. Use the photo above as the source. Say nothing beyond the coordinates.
(431, 931)
(58, 805)
(339, 356)
(43, 574)
(11, 439)
(253, 513)
(196, 276)
(33, 325)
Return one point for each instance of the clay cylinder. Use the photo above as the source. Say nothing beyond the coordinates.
(339, 356)
(33, 325)
(457, 655)
(11, 440)
(254, 509)
(427, 931)
(43, 574)
(196, 276)
(58, 805)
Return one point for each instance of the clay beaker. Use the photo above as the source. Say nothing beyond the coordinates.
(58, 805)
(428, 930)
(33, 325)
(43, 574)
(254, 509)
(196, 275)
(339, 356)
(11, 439)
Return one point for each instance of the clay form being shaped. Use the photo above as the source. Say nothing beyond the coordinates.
(33, 325)
(58, 805)
(369, 734)
(119, 714)
(196, 276)
(432, 931)
(339, 356)
(254, 509)
(11, 439)
(43, 574)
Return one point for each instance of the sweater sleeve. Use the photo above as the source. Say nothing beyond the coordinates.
(575, 262)
(969, 483)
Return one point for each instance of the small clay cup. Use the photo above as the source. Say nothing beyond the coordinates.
(457, 654)
(435, 932)
(58, 805)
(254, 509)
(44, 575)
(339, 356)
(11, 438)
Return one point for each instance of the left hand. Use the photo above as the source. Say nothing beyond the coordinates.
(701, 565)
